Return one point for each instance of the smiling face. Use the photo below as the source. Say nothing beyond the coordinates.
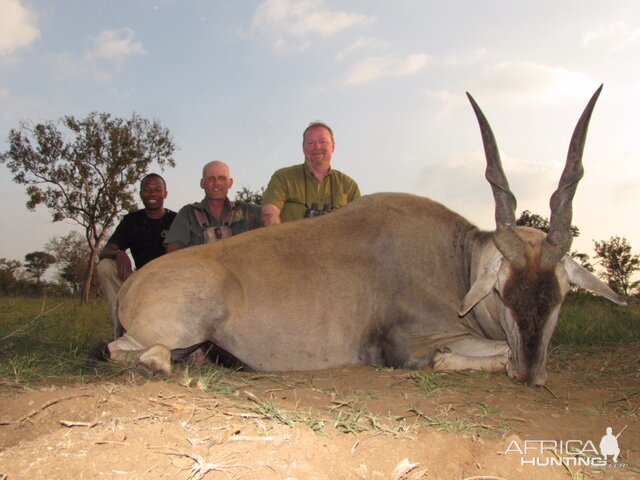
(216, 181)
(318, 147)
(153, 193)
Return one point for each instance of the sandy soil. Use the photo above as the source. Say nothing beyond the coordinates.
(352, 423)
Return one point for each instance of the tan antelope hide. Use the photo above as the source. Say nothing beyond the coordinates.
(392, 279)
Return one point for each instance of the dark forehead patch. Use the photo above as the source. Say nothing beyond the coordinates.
(531, 294)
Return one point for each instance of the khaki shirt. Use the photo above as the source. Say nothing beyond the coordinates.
(294, 189)
(187, 231)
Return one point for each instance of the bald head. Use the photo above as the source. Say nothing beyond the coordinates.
(216, 181)
(216, 165)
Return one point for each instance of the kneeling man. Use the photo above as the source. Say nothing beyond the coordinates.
(143, 233)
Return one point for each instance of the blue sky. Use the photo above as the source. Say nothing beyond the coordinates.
(239, 80)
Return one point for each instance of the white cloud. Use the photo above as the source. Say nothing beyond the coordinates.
(459, 184)
(373, 68)
(602, 207)
(113, 45)
(607, 199)
(302, 18)
(281, 44)
(5, 94)
(465, 59)
(527, 82)
(17, 27)
(66, 67)
(363, 45)
(518, 83)
(619, 34)
(116, 44)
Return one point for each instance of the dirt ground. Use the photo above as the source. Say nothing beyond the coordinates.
(351, 423)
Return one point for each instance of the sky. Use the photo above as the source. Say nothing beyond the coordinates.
(239, 81)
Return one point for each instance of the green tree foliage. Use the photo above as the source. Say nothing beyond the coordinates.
(8, 275)
(86, 170)
(583, 260)
(248, 195)
(619, 264)
(37, 263)
(71, 254)
(533, 220)
(529, 219)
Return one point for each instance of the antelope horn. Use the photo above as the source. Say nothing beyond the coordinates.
(559, 238)
(505, 237)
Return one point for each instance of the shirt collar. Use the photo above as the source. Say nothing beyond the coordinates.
(309, 173)
(205, 206)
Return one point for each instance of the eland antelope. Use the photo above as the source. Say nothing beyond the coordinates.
(392, 279)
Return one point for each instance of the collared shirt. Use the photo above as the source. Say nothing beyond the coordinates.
(186, 230)
(295, 189)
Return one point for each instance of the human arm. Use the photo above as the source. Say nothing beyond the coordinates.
(273, 199)
(122, 259)
(270, 215)
(179, 235)
(354, 192)
(173, 246)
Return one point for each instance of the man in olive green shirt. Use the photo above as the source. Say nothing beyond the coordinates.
(309, 189)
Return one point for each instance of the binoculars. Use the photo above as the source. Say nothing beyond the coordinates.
(315, 211)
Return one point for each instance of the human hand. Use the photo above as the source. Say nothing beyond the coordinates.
(123, 263)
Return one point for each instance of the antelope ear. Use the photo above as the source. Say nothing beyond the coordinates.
(583, 278)
(482, 285)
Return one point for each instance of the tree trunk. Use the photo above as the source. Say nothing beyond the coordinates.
(88, 277)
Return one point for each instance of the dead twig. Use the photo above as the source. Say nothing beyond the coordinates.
(516, 419)
(50, 403)
(484, 477)
(69, 423)
(402, 468)
(340, 404)
(169, 397)
(255, 438)
(242, 415)
(625, 397)
(359, 441)
(164, 403)
(550, 391)
(201, 467)
(30, 324)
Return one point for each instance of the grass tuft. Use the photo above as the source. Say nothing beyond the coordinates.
(428, 382)
(269, 410)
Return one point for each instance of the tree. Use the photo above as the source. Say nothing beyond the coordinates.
(533, 220)
(87, 170)
(8, 279)
(248, 195)
(71, 253)
(529, 219)
(619, 264)
(583, 260)
(36, 263)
